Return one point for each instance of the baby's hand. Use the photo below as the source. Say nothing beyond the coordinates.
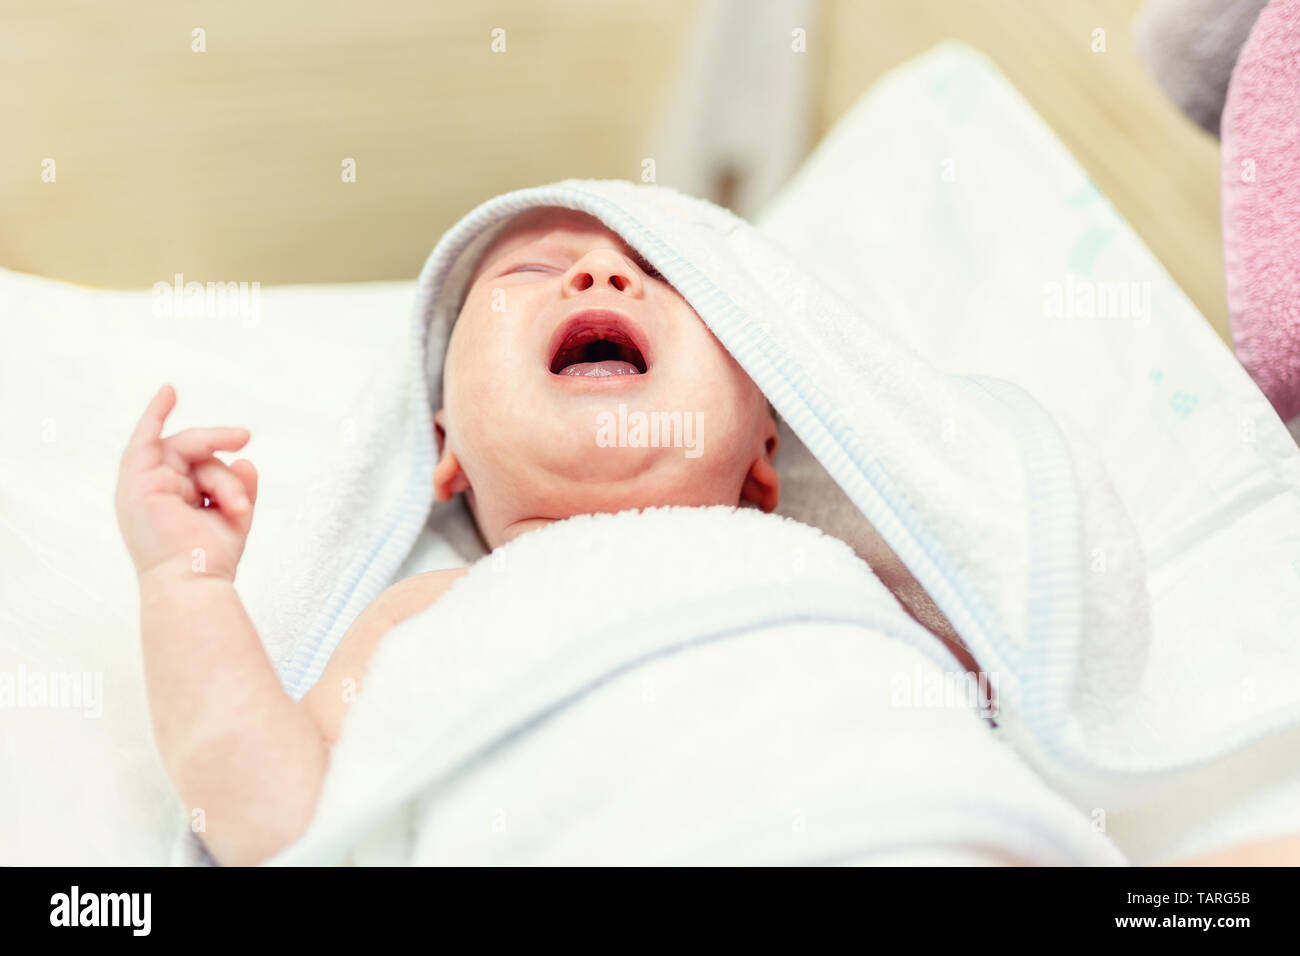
(179, 506)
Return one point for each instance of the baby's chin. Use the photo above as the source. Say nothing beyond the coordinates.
(598, 466)
(604, 480)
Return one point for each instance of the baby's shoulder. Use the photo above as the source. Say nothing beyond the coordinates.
(412, 595)
(324, 703)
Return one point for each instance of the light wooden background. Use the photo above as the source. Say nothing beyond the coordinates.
(225, 165)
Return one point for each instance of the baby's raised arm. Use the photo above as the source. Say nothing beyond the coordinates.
(233, 742)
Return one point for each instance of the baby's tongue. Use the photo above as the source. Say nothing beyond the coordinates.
(598, 369)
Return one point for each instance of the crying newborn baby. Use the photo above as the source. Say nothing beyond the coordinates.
(562, 325)
(576, 381)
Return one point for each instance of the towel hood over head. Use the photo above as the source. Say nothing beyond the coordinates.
(1002, 516)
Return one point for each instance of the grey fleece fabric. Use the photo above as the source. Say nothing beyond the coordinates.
(1190, 47)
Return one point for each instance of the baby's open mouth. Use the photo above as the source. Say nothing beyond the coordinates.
(596, 349)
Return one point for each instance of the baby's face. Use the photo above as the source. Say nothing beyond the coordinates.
(578, 381)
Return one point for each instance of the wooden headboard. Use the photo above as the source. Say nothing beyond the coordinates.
(227, 165)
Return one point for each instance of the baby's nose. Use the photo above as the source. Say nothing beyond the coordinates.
(603, 269)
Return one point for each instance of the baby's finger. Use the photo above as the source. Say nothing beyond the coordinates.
(248, 475)
(222, 486)
(150, 426)
(196, 444)
(166, 481)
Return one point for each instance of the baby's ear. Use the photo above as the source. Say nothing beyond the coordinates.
(763, 485)
(448, 477)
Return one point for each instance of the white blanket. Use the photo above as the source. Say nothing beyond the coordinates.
(945, 199)
(703, 686)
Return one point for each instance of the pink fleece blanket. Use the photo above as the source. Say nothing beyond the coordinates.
(1260, 173)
